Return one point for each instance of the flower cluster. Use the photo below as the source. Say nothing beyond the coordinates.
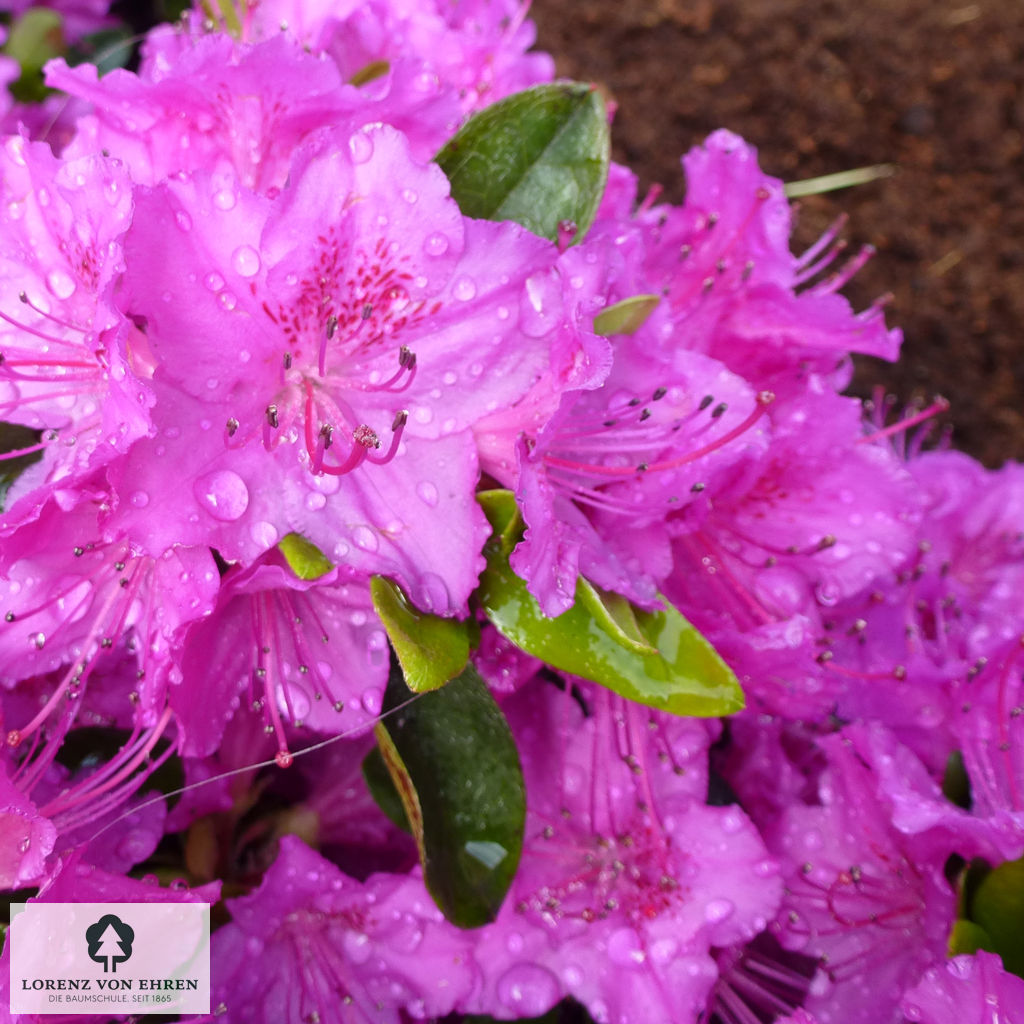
(254, 355)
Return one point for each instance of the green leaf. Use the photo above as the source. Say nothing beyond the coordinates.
(14, 437)
(627, 316)
(454, 764)
(956, 786)
(375, 69)
(539, 158)
(33, 39)
(306, 560)
(998, 908)
(968, 937)
(382, 789)
(655, 658)
(431, 649)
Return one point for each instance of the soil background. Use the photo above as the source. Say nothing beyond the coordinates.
(934, 87)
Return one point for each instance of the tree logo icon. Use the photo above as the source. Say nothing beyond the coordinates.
(110, 942)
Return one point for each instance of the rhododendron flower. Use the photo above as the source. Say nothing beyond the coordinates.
(627, 878)
(378, 326)
(311, 941)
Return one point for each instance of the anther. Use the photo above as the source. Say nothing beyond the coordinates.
(719, 410)
(698, 487)
(272, 416)
(367, 311)
(705, 402)
(659, 393)
(331, 327)
(231, 427)
(286, 360)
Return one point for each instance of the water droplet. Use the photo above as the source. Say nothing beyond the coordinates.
(264, 534)
(427, 493)
(409, 195)
(528, 989)
(625, 948)
(60, 284)
(227, 300)
(315, 501)
(464, 289)
(718, 910)
(436, 245)
(214, 281)
(373, 700)
(223, 494)
(225, 199)
(361, 147)
(284, 759)
(183, 220)
(430, 593)
(140, 499)
(25, 844)
(246, 260)
(357, 947)
(365, 538)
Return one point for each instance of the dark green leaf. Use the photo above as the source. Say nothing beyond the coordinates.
(431, 649)
(14, 437)
(454, 764)
(956, 786)
(655, 658)
(539, 158)
(382, 789)
(968, 937)
(998, 908)
(627, 316)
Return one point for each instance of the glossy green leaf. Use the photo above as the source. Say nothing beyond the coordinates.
(306, 560)
(998, 908)
(454, 764)
(539, 158)
(655, 658)
(382, 789)
(956, 786)
(627, 316)
(431, 649)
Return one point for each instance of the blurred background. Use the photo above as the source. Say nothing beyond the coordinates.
(933, 87)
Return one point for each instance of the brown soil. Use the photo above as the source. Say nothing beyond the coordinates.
(935, 87)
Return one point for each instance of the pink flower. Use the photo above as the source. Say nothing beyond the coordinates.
(64, 364)
(378, 326)
(965, 990)
(309, 654)
(627, 878)
(312, 941)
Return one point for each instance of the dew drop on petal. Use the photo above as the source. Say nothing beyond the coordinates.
(225, 199)
(227, 300)
(214, 281)
(246, 260)
(223, 494)
(183, 220)
(625, 948)
(264, 534)
(718, 910)
(373, 700)
(427, 493)
(361, 147)
(365, 538)
(315, 501)
(61, 284)
(436, 245)
(528, 989)
(464, 289)
(140, 499)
